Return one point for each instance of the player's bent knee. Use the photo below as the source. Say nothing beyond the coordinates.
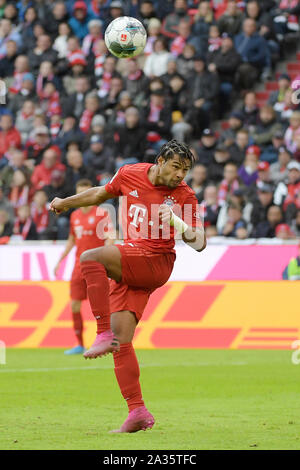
(89, 255)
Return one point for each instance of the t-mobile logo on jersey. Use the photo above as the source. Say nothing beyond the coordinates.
(137, 213)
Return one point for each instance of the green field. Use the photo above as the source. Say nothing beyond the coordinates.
(201, 399)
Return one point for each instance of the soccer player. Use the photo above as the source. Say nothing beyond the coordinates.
(154, 198)
(83, 234)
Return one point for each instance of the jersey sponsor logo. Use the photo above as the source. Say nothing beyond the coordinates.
(134, 193)
(137, 213)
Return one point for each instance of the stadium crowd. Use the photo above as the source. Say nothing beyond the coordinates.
(73, 111)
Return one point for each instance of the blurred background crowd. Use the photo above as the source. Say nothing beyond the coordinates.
(71, 110)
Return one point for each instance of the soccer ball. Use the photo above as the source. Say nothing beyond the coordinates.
(125, 37)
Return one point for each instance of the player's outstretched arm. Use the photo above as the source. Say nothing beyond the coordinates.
(90, 197)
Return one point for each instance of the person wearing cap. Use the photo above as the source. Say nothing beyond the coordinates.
(263, 170)
(277, 96)
(80, 19)
(262, 201)
(270, 153)
(267, 228)
(278, 170)
(207, 146)
(225, 62)
(231, 20)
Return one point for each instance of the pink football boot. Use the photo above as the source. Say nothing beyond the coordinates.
(138, 419)
(104, 343)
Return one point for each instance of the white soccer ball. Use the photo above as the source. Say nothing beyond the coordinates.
(125, 37)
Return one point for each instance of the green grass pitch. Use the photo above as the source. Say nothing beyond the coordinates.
(201, 399)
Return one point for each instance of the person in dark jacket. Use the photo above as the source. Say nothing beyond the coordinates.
(207, 147)
(204, 87)
(41, 53)
(254, 51)
(76, 170)
(267, 228)
(99, 158)
(130, 139)
(216, 167)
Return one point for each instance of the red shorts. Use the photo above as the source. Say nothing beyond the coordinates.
(142, 272)
(78, 289)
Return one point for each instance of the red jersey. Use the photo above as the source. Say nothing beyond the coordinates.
(140, 219)
(87, 229)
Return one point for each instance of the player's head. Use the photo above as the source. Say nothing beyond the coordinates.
(174, 160)
(83, 185)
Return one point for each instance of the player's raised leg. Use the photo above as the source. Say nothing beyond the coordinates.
(97, 266)
(128, 372)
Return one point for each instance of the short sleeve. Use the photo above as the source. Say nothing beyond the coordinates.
(192, 212)
(114, 185)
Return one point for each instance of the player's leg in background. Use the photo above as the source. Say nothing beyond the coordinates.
(127, 373)
(97, 266)
(77, 294)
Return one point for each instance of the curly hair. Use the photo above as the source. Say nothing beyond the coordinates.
(173, 147)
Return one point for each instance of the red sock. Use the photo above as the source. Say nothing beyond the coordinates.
(96, 279)
(128, 372)
(78, 326)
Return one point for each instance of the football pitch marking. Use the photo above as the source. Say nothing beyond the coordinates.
(57, 369)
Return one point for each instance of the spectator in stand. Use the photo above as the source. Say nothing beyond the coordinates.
(283, 232)
(25, 93)
(237, 149)
(250, 110)
(235, 226)
(95, 33)
(25, 120)
(156, 119)
(91, 107)
(229, 184)
(263, 200)
(60, 44)
(278, 170)
(235, 124)
(43, 219)
(16, 162)
(198, 181)
(217, 165)
(20, 193)
(7, 63)
(37, 144)
(21, 67)
(156, 62)
(267, 228)
(80, 20)
(263, 172)
(171, 22)
(41, 53)
(136, 83)
(9, 137)
(42, 173)
(5, 204)
(116, 10)
(224, 61)
(207, 146)
(153, 29)
(185, 61)
(210, 205)
(76, 170)
(254, 52)
(248, 171)
(8, 32)
(270, 152)
(292, 131)
(100, 159)
(27, 29)
(58, 15)
(286, 108)
(267, 126)
(24, 227)
(289, 194)
(284, 83)
(231, 20)
(57, 186)
(130, 139)
(204, 89)
(203, 20)
(74, 103)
